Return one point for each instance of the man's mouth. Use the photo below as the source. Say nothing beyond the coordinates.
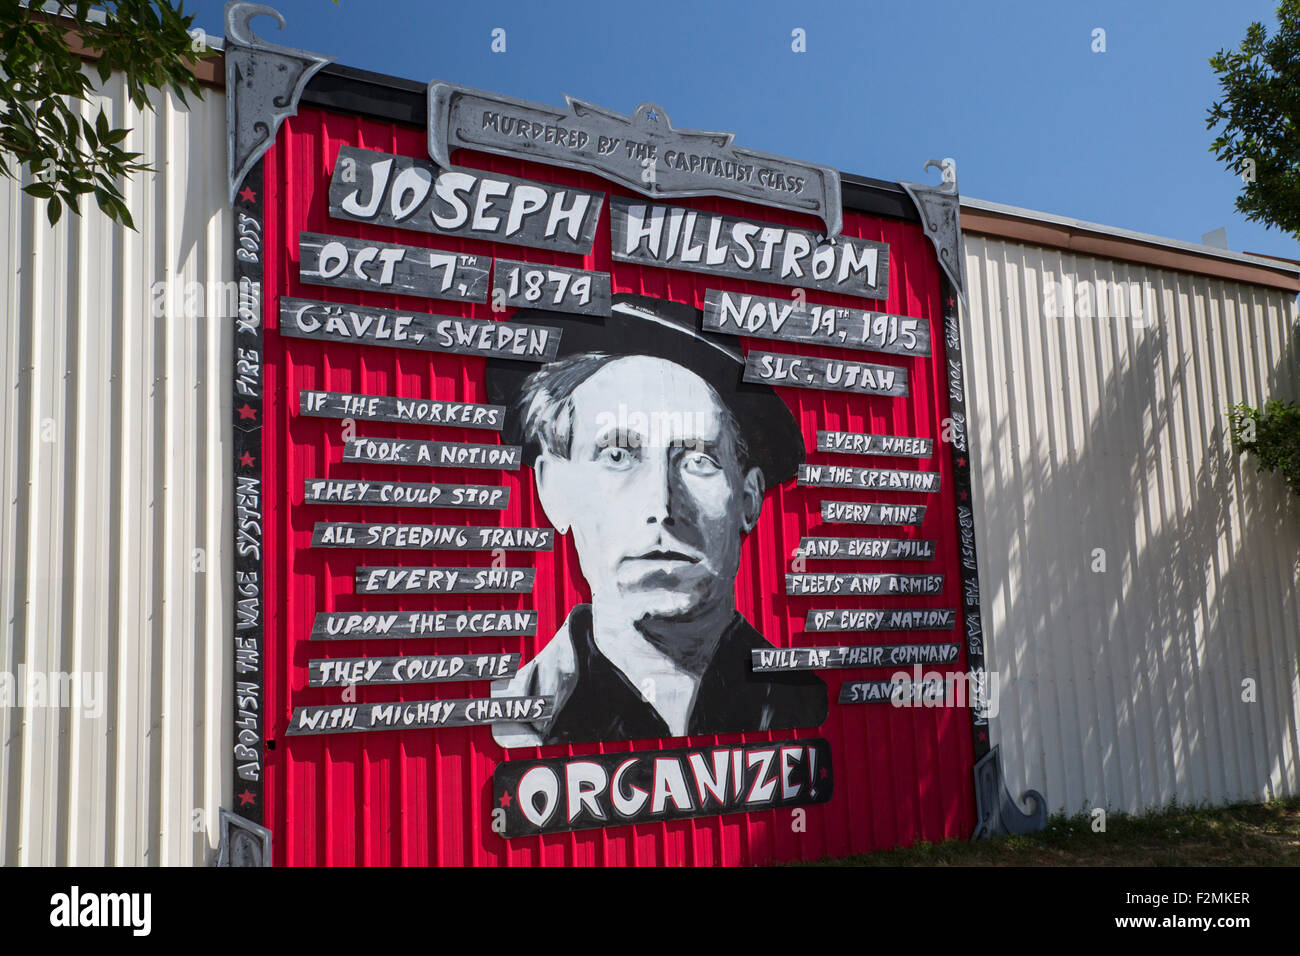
(664, 554)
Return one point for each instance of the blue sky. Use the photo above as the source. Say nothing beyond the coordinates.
(1012, 90)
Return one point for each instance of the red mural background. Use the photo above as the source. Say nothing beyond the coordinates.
(425, 796)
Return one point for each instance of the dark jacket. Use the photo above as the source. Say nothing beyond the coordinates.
(594, 700)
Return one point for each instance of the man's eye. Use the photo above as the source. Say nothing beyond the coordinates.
(614, 456)
(698, 463)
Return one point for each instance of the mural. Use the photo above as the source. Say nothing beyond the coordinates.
(524, 461)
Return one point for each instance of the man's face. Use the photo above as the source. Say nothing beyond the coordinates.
(653, 491)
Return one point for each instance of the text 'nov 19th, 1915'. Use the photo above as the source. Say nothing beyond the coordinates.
(789, 320)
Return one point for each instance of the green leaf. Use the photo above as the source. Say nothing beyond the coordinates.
(44, 89)
(124, 214)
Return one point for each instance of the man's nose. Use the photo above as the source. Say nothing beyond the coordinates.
(658, 492)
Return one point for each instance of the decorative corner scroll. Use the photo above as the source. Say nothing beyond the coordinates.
(263, 85)
(243, 842)
(940, 210)
(997, 814)
(642, 152)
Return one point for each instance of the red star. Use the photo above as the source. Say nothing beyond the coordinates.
(246, 460)
(950, 301)
(247, 797)
(248, 195)
(961, 462)
(964, 496)
(823, 774)
(983, 736)
(247, 411)
(505, 799)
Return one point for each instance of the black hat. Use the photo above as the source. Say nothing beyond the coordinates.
(660, 328)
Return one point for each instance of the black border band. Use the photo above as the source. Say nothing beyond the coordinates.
(968, 564)
(248, 743)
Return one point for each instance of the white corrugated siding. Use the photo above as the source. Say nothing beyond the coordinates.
(114, 522)
(1123, 688)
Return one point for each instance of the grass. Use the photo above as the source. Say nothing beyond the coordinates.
(1246, 834)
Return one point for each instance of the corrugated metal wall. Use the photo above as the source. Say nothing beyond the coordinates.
(114, 518)
(1103, 436)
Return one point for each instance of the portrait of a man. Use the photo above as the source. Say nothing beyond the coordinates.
(649, 449)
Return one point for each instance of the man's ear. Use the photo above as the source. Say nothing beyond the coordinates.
(752, 499)
(553, 491)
